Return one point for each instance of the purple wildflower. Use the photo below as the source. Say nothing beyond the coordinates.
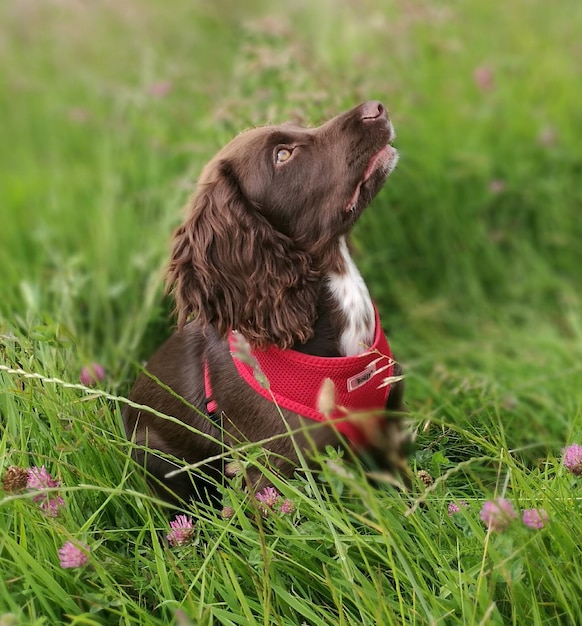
(50, 506)
(160, 89)
(497, 514)
(182, 531)
(73, 555)
(497, 186)
(288, 507)
(92, 374)
(455, 508)
(269, 497)
(573, 459)
(547, 137)
(535, 518)
(484, 78)
(39, 478)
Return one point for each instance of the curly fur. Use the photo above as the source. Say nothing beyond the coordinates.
(231, 269)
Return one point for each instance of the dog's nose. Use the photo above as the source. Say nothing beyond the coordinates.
(372, 110)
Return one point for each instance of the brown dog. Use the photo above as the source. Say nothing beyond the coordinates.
(263, 252)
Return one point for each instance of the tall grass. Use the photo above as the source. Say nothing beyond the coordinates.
(109, 110)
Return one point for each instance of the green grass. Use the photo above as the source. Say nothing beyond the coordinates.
(109, 111)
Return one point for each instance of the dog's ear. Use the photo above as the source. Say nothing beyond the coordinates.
(230, 269)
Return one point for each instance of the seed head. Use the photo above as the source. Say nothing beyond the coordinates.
(425, 478)
(227, 512)
(15, 479)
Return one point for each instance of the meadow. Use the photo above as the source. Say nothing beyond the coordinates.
(472, 252)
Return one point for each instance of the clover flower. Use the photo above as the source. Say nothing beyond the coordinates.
(50, 506)
(269, 497)
(484, 78)
(182, 531)
(160, 89)
(573, 459)
(288, 507)
(73, 555)
(497, 186)
(39, 479)
(455, 507)
(497, 514)
(92, 374)
(535, 518)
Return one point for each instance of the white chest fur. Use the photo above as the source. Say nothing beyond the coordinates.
(353, 299)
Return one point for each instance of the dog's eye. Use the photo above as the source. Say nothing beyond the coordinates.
(282, 155)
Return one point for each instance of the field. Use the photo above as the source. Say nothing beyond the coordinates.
(472, 252)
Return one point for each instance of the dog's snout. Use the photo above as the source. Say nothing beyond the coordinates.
(372, 111)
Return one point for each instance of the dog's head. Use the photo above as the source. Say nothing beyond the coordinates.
(266, 222)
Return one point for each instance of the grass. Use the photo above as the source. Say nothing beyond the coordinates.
(472, 252)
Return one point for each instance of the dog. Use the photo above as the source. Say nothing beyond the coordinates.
(267, 295)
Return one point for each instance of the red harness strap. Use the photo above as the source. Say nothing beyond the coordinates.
(211, 405)
(295, 379)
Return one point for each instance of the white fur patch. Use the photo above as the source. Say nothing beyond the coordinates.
(353, 298)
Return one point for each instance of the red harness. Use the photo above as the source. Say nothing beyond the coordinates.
(295, 380)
